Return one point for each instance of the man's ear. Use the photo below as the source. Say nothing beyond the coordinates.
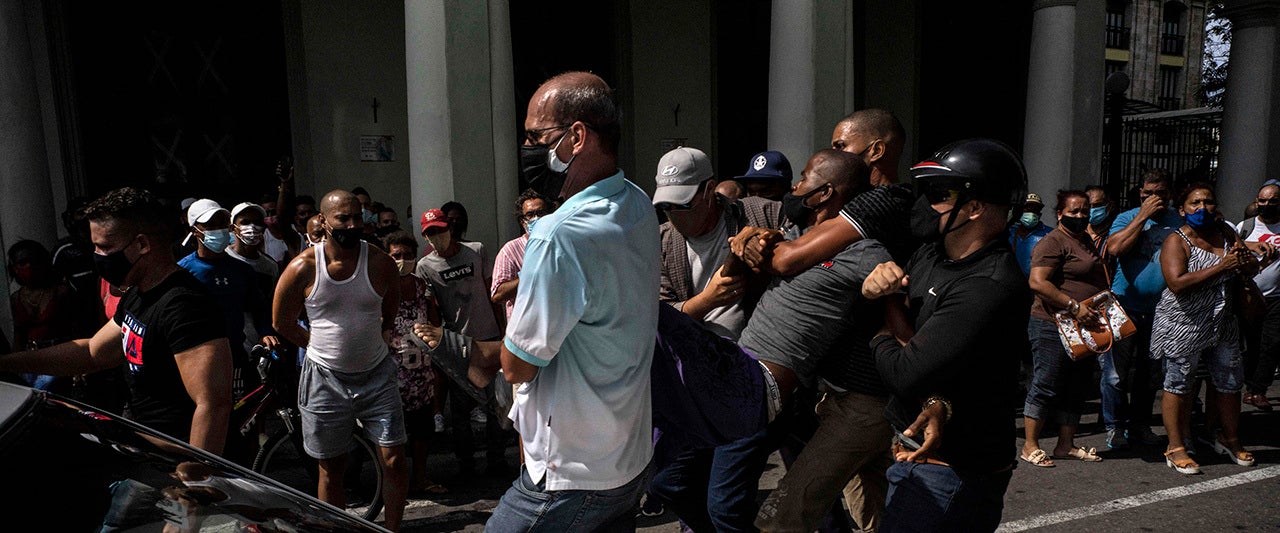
(579, 130)
(976, 209)
(145, 243)
(876, 150)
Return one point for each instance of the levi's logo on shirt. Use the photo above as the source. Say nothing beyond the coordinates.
(457, 272)
(1269, 238)
(134, 333)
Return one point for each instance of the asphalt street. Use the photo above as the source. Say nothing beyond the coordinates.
(1130, 490)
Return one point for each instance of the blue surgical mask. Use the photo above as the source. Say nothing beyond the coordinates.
(216, 240)
(1199, 219)
(528, 224)
(1030, 220)
(1097, 215)
(368, 217)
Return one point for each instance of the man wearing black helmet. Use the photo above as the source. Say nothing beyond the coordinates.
(950, 350)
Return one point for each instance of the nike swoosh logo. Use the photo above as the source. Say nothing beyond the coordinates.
(931, 291)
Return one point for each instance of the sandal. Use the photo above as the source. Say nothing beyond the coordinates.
(1258, 401)
(1188, 467)
(1038, 458)
(1242, 457)
(1079, 452)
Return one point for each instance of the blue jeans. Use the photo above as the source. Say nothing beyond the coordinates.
(529, 507)
(1129, 387)
(1058, 384)
(714, 489)
(927, 497)
(1112, 396)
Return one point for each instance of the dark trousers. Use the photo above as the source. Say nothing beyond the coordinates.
(1263, 349)
(928, 497)
(464, 442)
(1137, 375)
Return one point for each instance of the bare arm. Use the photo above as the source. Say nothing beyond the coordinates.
(1120, 242)
(505, 291)
(1173, 264)
(816, 245)
(206, 374)
(80, 356)
(515, 369)
(383, 270)
(291, 291)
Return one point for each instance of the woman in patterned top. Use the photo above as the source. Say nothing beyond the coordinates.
(1194, 316)
(418, 381)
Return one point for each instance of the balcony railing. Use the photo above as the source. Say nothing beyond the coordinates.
(1118, 37)
(1168, 102)
(1171, 44)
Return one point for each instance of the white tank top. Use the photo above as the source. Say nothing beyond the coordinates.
(346, 318)
(274, 247)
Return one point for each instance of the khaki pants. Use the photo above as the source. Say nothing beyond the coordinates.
(849, 452)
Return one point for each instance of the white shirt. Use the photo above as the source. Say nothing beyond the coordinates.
(1269, 278)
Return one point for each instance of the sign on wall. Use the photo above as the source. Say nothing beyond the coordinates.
(377, 148)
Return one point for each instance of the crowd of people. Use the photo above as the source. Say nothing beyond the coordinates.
(651, 352)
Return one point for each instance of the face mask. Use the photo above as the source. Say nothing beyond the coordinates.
(440, 241)
(369, 218)
(553, 159)
(1269, 211)
(312, 244)
(796, 210)
(271, 220)
(924, 221)
(216, 240)
(536, 167)
(346, 238)
(405, 266)
(113, 267)
(1030, 220)
(1074, 224)
(250, 234)
(1097, 215)
(1199, 219)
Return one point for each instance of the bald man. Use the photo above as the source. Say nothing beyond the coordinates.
(581, 337)
(347, 376)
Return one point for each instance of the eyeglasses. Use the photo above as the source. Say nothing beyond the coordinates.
(532, 136)
(534, 214)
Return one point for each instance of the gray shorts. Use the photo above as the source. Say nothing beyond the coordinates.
(331, 402)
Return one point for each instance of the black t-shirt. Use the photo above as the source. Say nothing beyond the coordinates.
(172, 317)
(884, 214)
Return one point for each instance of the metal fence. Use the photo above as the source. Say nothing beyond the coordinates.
(1184, 142)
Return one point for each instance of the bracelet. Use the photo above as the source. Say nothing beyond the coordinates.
(1073, 307)
(946, 407)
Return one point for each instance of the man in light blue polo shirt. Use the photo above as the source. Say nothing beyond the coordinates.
(1128, 389)
(581, 337)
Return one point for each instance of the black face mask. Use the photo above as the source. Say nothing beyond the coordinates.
(113, 267)
(1075, 225)
(1269, 211)
(346, 238)
(536, 173)
(796, 210)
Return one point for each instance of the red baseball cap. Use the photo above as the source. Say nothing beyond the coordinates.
(434, 218)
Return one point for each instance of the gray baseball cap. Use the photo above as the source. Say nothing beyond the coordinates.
(680, 173)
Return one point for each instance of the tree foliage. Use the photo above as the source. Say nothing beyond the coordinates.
(1217, 51)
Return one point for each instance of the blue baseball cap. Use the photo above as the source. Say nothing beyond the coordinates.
(767, 165)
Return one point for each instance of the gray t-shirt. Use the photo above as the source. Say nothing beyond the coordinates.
(706, 255)
(798, 317)
(458, 285)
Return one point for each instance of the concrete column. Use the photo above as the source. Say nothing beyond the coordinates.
(26, 207)
(1089, 77)
(502, 89)
(430, 143)
(791, 81)
(462, 130)
(1251, 108)
(1047, 143)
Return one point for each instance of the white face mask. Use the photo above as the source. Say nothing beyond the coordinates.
(528, 224)
(553, 160)
(405, 266)
(250, 234)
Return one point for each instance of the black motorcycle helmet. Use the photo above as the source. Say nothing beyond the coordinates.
(978, 169)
